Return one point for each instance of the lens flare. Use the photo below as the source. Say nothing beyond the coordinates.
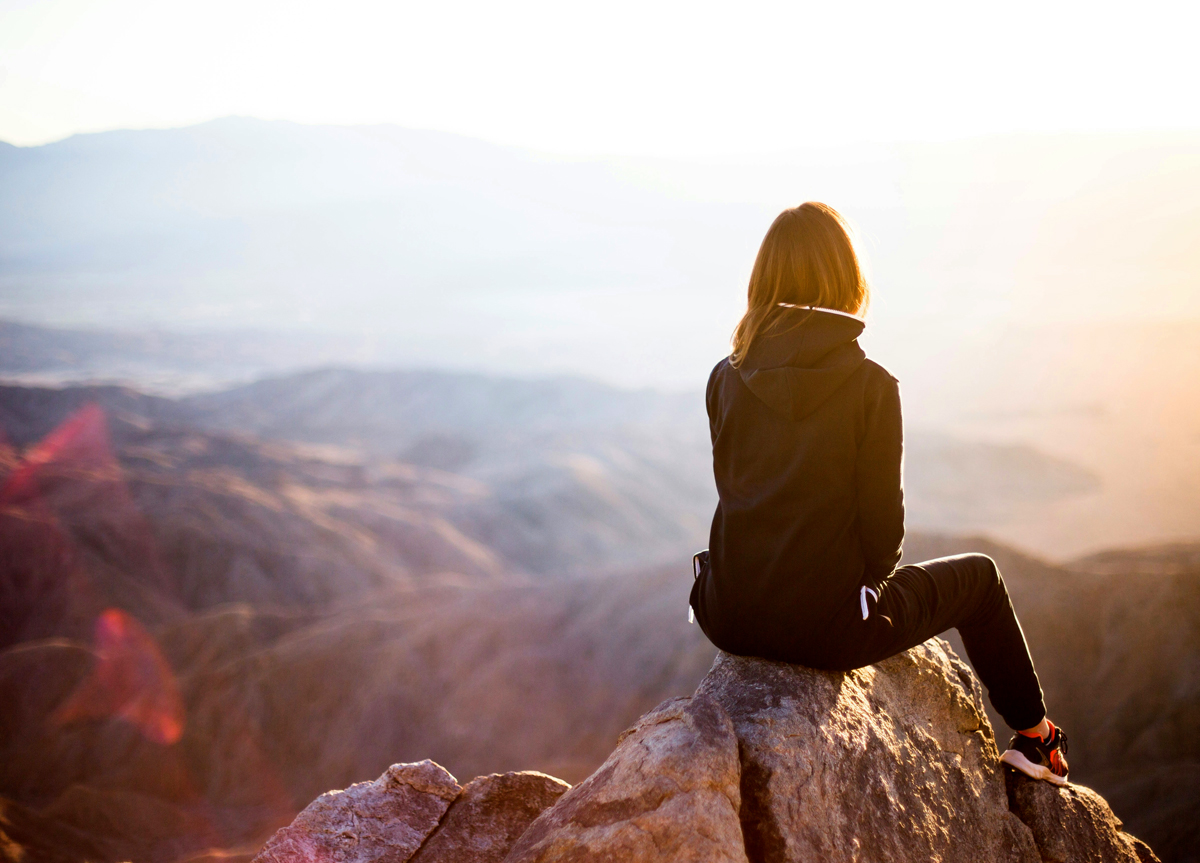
(131, 680)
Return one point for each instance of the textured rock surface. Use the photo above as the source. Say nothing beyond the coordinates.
(669, 792)
(1073, 824)
(385, 820)
(489, 816)
(892, 762)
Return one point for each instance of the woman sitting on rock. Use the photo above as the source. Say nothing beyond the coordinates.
(805, 542)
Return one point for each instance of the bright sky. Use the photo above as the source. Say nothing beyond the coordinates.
(619, 77)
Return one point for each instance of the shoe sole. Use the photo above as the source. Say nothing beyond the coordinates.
(1018, 761)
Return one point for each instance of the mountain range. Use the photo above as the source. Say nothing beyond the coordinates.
(566, 473)
(223, 624)
(422, 247)
(1014, 298)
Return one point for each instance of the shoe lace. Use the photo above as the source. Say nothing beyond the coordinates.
(1062, 741)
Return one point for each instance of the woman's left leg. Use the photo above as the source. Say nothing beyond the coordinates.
(967, 593)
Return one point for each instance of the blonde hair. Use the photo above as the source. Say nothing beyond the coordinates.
(806, 259)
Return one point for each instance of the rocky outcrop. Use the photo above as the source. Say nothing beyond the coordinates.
(1072, 823)
(766, 763)
(489, 816)
(890, 762)
(415, 812)
(385, 820)
(668, 792)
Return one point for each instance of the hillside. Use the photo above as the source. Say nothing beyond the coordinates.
(568, 475)
(1062, 441)
(1023, 314)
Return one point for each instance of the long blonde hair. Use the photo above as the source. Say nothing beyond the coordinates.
(806, 259)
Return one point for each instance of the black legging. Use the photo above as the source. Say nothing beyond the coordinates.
(921, 600)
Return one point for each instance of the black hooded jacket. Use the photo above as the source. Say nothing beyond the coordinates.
(807, 450)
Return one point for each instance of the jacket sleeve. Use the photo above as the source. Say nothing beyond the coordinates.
(880, 482)
(711, 403)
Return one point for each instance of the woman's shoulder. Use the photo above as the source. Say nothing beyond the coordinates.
(721, 369)
(877, 375)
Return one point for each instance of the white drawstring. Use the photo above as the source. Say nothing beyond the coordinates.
(696, 567)
(862, 599)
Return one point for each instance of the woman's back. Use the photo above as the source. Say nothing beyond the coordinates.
(806, 454)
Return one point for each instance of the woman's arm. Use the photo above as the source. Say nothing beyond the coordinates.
(879, 481)
(710, 402)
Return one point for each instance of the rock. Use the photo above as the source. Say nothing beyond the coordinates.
(386, 820)
(489, 816)
(891, 762)
(766, 762)
(1073, 824)
(668, 792)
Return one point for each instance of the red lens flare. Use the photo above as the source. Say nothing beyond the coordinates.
(71, 531)
(79, 558)
(77, 449)
(131, 681)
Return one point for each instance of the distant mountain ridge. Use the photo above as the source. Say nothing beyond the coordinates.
(384, 410)
(568, 474)
(163, 362)
(578, 471)
(453, 251)
(432, 240)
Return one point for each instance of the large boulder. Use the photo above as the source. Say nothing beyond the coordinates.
(416, 812)
(890, 762)
(668, 793)
(489, 816)
(386, 820)
(1073, 823)
(895, 762)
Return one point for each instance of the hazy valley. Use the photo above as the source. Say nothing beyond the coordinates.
(459, 581)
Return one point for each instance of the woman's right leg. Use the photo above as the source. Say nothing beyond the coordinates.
(967, 593)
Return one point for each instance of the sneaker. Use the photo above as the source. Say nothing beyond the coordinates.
(1039, 758)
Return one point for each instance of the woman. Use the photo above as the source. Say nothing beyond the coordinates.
(807, 452)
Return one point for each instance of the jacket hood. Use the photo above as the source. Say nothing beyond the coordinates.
(802, 359)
